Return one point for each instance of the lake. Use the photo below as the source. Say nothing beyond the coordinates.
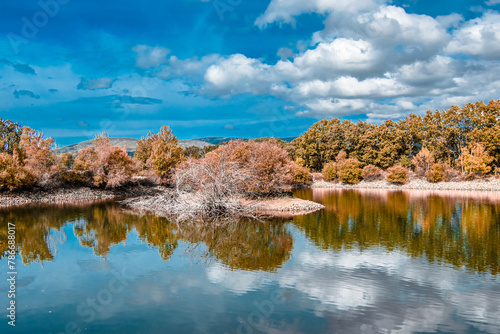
(373, 261)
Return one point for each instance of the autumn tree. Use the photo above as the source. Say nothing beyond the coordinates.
(35, 152)
(13, 175)
(476, 161)
(423, 161)
(159, 152)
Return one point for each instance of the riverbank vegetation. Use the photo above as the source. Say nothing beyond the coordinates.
(453, 144)
(449, 145)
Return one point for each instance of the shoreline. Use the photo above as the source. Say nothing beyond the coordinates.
(284, 207)
(277, 206)
(74, 195)
(491, 184)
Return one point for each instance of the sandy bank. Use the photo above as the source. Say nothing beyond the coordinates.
(284, 206)
(72, 195)
(492, 184)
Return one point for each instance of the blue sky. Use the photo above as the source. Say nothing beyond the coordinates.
(74, 68)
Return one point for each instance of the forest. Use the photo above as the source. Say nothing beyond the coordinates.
(454, 144)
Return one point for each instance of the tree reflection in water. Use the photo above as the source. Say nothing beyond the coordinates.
(458, 228)
(247, 245)
(461, 229)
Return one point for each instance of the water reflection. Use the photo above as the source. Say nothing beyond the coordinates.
(371, 262)
(249, 245)
(462, 229)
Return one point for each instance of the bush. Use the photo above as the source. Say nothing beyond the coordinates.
(103, 165)
(300, 174)
(451, 174)
(251, 167)
(435, 173)
(398, 175)
(329, 171)
(350, 171)
(372, 173)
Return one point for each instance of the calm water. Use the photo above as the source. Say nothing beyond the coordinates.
(371, 262)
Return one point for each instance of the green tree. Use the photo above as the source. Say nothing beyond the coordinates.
(10, 136)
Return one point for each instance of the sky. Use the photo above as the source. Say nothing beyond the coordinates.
(244, 68)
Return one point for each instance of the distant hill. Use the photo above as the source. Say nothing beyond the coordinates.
(131, 143)
(218, 140)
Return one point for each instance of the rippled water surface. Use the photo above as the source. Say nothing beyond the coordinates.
(371, 262)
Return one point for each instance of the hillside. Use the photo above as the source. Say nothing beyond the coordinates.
(131, 143)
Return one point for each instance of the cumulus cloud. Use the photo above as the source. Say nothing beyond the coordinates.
(285, 11)
(478, 37)
(371, 58)
(238, 74)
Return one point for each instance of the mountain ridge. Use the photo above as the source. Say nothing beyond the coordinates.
(131, 143)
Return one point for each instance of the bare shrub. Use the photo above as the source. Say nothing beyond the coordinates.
(214, 186)
(398, 175)
(268, 166)
(451, 174)
(372, 173)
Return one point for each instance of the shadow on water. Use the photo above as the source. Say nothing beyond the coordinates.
(248, 245)
(457, 228)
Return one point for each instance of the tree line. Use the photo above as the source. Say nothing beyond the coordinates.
(457, 143)
(463, 141)
(28, 160)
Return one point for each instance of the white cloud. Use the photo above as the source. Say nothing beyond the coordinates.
(478, 37)
(492, 2)
(238, 74)
(371, 58)
(148, 56)
(340, 56)
(284, 11)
